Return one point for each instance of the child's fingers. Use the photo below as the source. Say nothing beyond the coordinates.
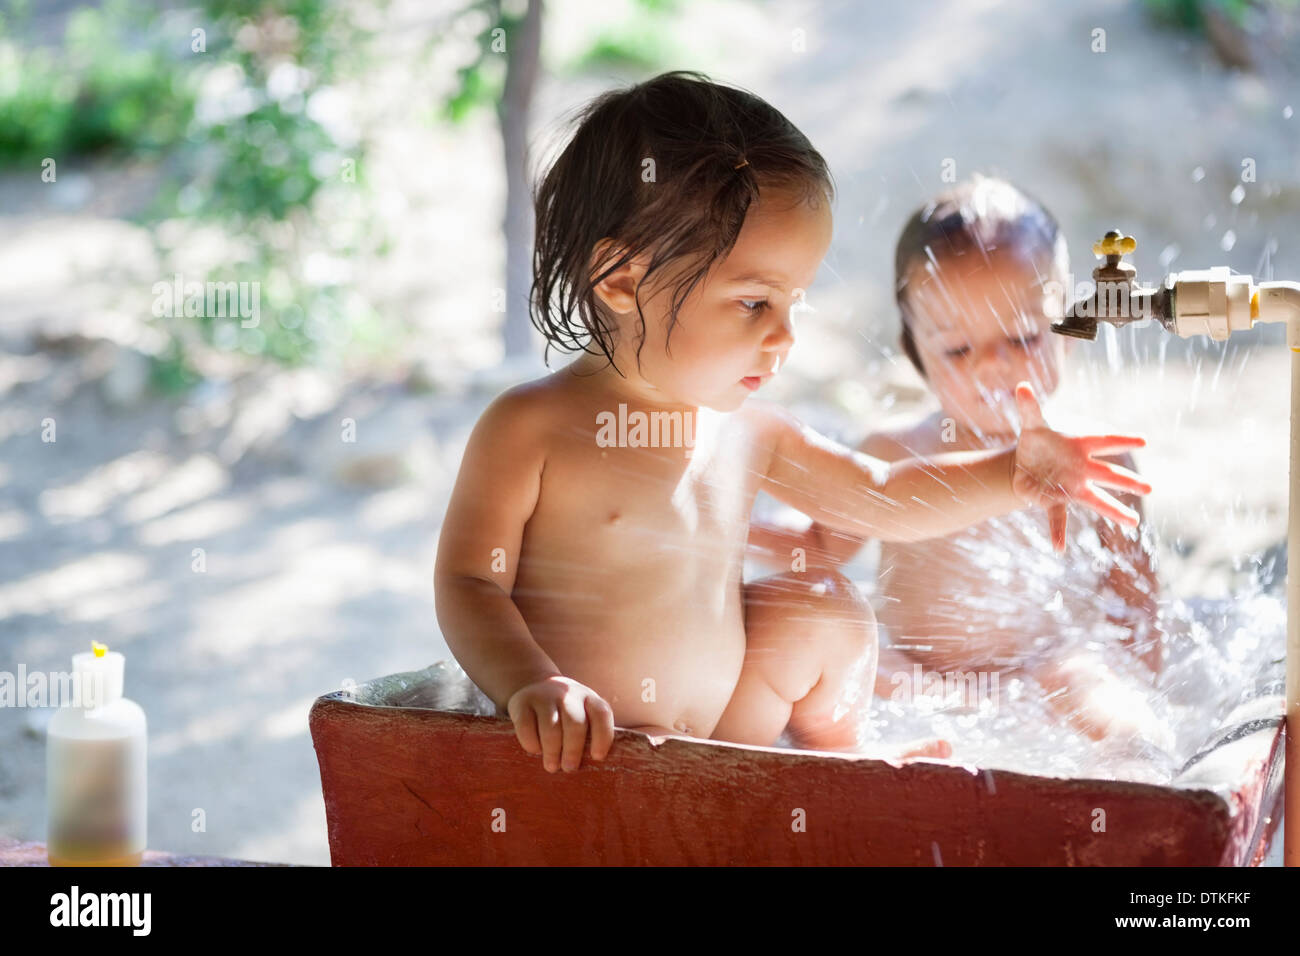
(575, 734)
(526, 731)
(1101, 444)
(1031, 413)
(1057, 517)
(548, 728)
(1106, 506)
(1116, 476)
(601, 716)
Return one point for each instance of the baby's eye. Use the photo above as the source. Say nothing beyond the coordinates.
(1027, 341)
(754, 306)
(957, 353)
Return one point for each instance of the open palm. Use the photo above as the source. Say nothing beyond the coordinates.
(1053, 469)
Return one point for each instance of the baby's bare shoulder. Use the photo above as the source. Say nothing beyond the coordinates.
(532, 403)
(763, 421)
(759, 428)
(519, 419)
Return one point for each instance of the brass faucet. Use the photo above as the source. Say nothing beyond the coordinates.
(1118, 298)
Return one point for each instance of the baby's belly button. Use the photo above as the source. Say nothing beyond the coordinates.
(693, 682)
(694, 718)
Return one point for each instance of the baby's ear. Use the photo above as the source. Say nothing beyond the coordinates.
(617, 289)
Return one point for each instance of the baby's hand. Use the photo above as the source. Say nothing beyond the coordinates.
(551, 718)
(1052, 469)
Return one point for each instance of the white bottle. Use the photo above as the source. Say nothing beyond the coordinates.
(95, 769)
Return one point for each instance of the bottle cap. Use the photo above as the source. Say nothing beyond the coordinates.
(98, 675)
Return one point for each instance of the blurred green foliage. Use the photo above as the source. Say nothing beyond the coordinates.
(258, 157)
(1190, 14)
(635, 42)
(99, 92)
(639, 41)
(237, 101)
(481, 82)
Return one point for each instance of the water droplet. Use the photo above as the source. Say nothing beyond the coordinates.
(1287, 112)
(1209, 221)
(1198, 174)
(1110, 334)
(1238, 194)
(1228, 241)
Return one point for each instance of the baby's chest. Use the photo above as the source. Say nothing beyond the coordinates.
(665, 502)
(650, 502)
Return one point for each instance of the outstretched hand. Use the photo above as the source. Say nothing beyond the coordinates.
(1052, 469)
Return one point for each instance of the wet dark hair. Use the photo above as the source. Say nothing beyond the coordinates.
(978, 215)
(667, 167)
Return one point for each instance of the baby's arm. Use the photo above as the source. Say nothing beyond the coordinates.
(823, 546)
(913, 499)
(864, 496)
(495, 494)
(1132, 577)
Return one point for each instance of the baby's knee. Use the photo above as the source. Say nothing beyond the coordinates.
(846, 620)
(841, 596)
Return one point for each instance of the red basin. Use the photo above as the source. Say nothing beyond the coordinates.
(411, 776)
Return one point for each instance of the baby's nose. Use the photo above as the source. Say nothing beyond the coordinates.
(781, 338)
(995, 356)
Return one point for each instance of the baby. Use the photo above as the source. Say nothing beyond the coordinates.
(981, 274)
(589, 568)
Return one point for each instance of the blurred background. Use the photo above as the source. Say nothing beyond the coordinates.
(247, 505)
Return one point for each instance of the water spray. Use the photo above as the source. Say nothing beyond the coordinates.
(1215, 302)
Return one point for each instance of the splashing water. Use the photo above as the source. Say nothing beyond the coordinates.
(1033, 607)
(1208, 424)
(1219, 653)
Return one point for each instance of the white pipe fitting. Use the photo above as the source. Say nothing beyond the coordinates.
(1278, 302)
(1212, 302)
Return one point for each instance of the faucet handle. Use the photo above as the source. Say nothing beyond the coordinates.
(1114, 243)
(1118, 298)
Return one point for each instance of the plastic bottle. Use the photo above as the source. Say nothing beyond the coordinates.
(95, 769)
